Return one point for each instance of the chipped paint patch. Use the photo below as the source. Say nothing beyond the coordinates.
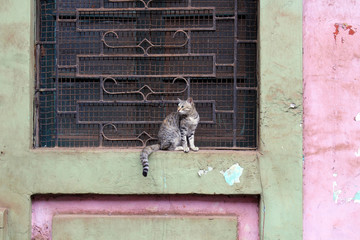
(233, 174)
(203, 171)
(348, 27)
(357, 118)
(357, 197)
(357, 154)
(293, 106)
(336, 193)
(165, 186)
(41, 233)
(336, 25)
(345, 27)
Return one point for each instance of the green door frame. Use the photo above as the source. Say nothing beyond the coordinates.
(274, 171)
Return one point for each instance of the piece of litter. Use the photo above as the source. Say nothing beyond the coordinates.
(233, 174)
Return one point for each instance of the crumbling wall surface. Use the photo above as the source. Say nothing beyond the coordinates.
(331, 41)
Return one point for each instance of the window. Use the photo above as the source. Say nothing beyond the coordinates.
(109, 71)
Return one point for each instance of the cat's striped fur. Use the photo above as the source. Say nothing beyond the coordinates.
(176, 132)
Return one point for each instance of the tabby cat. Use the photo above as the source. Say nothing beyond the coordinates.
(176, 131)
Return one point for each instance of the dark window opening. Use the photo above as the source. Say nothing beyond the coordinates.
(109, 71)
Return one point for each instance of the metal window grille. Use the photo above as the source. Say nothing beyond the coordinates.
(109, 71)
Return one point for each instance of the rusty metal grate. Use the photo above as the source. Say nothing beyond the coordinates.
(109, 71)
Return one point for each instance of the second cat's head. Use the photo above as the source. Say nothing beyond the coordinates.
(185, 106)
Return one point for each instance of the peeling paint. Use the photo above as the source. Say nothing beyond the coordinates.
(357, 197)
(336, 193)
(293, 106)
(336, 25)
(345, 27)
(348, 27)
(203, 171)
(41, 233)
(357, 118)
(165, 186)
(233, 174)
(357, 154)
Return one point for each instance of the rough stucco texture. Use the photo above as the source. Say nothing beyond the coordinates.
(331, 40)
(242, 210)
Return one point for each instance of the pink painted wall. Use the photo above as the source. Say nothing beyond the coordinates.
(245, 208)
(331, 38)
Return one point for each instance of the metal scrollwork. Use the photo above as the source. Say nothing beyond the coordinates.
(146, 4)
(146, 41)
(145, 87)
(137, 138)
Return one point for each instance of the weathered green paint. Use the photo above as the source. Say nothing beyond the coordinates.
(95, 227)
(3, 214)
(3, 223)
(119, 172)
(280, 122)
(24, 171)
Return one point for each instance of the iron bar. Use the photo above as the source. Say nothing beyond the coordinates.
(37, 97)
(147, 29)
(46, 89)
(235, 74)
(57, 32)
(45, 42)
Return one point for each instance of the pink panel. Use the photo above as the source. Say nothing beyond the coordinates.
(245, 208)
(331, 40)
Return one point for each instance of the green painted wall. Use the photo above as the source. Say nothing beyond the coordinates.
(275, 171)
(281, 118)
(97, 227)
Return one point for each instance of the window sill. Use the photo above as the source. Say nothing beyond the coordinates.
(117, 171)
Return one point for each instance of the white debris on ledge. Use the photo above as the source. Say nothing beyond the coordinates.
(203, 171)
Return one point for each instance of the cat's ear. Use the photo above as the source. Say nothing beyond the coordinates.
(190, 100)
(179, 100)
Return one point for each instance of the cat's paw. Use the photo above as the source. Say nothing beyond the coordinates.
(179, 148)
(195, 149)
(186, 149)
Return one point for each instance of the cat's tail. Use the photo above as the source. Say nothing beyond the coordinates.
(144, 157)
